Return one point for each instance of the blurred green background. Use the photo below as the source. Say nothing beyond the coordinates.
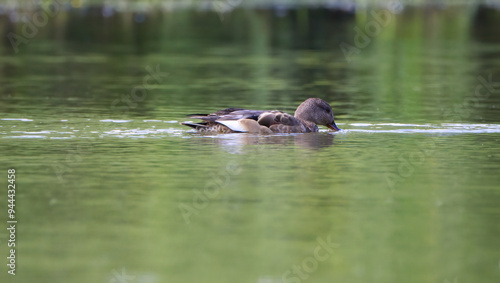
(110, 188)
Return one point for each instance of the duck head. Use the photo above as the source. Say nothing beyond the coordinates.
(318, 111)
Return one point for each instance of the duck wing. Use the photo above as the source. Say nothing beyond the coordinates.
(276, 121)
(229, 114)
(286, 123)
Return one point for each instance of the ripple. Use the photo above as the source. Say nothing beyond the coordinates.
(138, 133)
(26, 137)
(404, 125)
(63, 133)
(32, 133)
(17, 119)
(115, 121)
(359, 124)
(157, 132)
(445, 128)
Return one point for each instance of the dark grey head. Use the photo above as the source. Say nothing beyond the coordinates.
(318, 111)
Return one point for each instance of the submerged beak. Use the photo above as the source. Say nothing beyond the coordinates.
(333, 127)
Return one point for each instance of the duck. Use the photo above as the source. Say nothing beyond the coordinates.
(309, 114)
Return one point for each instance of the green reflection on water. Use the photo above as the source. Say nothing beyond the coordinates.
(105, 198)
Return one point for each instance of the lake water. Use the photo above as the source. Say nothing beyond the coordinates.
(111, 188)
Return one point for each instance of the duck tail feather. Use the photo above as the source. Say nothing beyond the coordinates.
(194, 125)
(197, 114)
(209, 118)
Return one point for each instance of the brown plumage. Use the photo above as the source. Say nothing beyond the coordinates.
(309, 114)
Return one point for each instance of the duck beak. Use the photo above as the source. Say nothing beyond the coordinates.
(333, 127)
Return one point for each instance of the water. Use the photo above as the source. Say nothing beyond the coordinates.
(111, 188)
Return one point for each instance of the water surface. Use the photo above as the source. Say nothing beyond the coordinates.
(111, 188)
